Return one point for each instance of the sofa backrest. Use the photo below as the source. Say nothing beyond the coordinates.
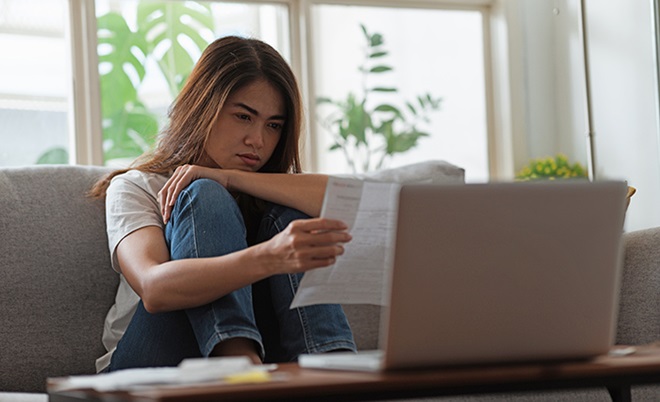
(56, 283)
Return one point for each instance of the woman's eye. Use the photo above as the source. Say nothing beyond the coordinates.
(243, 116)
(276, 126)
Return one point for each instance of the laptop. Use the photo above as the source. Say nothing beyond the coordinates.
(498, 272)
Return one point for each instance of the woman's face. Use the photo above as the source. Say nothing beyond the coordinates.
(248, 128)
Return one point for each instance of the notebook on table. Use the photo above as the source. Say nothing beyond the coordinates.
(499, 272)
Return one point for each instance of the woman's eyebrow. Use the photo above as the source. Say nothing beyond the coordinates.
(256, 113)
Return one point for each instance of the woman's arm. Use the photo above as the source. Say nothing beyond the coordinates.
(300, 191)
(165, 285)
(304, 191)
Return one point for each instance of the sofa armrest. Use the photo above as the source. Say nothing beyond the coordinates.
(639, 305)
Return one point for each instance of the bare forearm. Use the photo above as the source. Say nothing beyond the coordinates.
(187, 283)
(304, 192)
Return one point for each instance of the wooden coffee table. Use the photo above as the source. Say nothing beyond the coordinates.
(291, 383)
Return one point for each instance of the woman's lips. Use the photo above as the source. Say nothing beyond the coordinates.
(249, 159)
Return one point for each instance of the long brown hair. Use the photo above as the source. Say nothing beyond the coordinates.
(226, 65)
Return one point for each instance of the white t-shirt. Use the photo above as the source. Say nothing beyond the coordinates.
(131, 204)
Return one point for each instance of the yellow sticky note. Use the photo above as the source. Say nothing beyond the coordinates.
(248, 377)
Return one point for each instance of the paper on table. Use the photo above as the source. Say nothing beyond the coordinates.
(358, 276)
(190, 371)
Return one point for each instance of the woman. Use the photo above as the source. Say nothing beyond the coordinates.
(211, 231)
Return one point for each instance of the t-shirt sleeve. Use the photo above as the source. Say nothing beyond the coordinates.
(128, 207)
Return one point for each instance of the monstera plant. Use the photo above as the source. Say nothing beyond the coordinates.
(169, 33)
(128, 127)
(369, 131)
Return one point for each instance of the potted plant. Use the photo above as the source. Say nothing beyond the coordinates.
(558, 167)
(551, 168)
(367, 131)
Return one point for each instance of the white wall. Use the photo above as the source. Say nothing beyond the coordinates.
(623, 88)
(553, 80)
(624, 102)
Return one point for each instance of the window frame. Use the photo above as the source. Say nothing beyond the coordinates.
(86, 134)
(504, 100)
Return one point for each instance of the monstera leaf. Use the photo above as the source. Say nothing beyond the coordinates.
(122, 70)
(129, 132)
(54, 156)
(171, 29)
(168, 32)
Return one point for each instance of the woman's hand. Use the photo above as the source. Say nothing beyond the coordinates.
(181, 178)
(305, 244)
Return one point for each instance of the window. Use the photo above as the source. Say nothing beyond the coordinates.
(433, 54)
(147, 49)
(435, 61)
(34, 89)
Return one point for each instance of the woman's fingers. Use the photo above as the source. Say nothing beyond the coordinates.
(180, 179)
(318, 224)
(318, 232)
(310, 243)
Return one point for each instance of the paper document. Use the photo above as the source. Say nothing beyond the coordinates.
(358, 276)
(190, 371)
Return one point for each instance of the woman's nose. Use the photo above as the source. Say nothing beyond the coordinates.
(255, 137)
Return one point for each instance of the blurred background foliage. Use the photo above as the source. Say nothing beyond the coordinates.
(171, 34)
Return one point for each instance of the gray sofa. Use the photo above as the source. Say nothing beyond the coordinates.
(56, 284)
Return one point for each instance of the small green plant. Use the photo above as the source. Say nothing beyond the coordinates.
(368, 134)
(551, 168)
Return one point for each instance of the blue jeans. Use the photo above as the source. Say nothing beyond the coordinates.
(206, 221)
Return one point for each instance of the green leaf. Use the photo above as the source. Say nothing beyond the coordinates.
(383, 89)
(343, 132)
(335, 146)
(376, 40)
(164, 23)
(403, 142)
(378, 54)
(54, 156)
(358, 121)
(321, 99)
(118, 46)
(380, 69)
(386, 129)
(435, 103)
(364, 31)
(130, 132)
(389, 108)
(144, 124)
(411, 108)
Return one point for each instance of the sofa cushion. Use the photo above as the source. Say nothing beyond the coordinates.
(57, 284)
(639, 304)
(431, 171)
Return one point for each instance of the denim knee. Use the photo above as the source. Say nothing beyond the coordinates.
(276, 219)
(206, 221)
